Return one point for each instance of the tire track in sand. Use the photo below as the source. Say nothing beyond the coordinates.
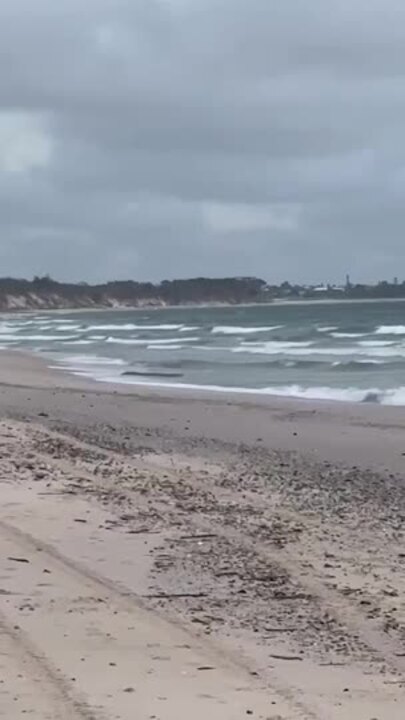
(105, 655)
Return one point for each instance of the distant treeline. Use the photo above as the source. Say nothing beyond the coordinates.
(44, 292)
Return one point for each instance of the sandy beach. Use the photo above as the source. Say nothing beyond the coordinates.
(168, 555)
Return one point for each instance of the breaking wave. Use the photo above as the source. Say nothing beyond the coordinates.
(92, 360)
(376, 343)
(131, 326)
(392, 396)
(390, 330)
(307, 349)
(273, 346)
(347, 335)
(242, 330)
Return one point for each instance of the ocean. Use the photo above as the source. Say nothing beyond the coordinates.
(333, 351)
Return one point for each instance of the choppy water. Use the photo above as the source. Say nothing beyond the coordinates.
(346, 351)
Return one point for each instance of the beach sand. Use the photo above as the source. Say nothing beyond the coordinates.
(166, 556)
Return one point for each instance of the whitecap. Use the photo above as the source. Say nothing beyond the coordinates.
(131, 326)
(357, 361)
(170, 341)
(96, 328)
(390, 330)
(91, 360)
(391, 396)
(64, 327)
(78, 342)
(235, 330)
(165, 347)
(272, 346)
(37, 338)
(125, 341)
(350, 394)
(376, 343)
(9, 327)
(146, 341)
(273, 349)
(348, 335)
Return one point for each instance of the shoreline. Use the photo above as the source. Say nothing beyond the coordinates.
(198, 555)
(144, 387)
(326, 430)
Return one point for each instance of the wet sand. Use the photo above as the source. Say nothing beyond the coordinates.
(167, 555)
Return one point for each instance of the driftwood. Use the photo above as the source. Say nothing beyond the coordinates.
(202, 536)
(174, 596)
(18, 559)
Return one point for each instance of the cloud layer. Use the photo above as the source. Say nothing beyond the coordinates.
(167, 138)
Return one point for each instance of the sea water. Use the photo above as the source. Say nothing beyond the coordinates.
(349, 351)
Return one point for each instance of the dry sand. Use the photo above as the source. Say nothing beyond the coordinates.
(166, 557)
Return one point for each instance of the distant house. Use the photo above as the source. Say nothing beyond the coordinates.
(321, 288)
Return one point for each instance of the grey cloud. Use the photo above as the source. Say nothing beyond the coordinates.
(202, 136)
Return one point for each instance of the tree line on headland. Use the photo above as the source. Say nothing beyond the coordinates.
(46, 293)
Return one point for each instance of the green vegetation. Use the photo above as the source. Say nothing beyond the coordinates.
(43, 292)
(46, 293)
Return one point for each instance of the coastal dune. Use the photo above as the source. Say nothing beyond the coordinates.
(167, 554)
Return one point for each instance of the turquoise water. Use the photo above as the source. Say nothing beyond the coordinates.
(345, 351)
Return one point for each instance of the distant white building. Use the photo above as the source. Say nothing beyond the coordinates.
(321, 288)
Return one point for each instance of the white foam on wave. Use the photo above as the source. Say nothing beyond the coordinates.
(160, 327)
(242, 330)
(91, 360)
(12, 327)
(271, 347)
(132, 326)
(65, 327)
(127, 326)
(55, 321)
(321, 393)
(347, 335)
(377, 343)
(390, 330)
(37, 338)
(189, 328)
(170, 341)
(42, 338)
(368, 361)
(12, 323)
(142, 342)
(392, 396)
(326, 328)
(43, 327)
(78, 342)
(394, 351)
(124, 341)
(165, 347)
(302, 351)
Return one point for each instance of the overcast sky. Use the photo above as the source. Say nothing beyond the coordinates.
(173, 138)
